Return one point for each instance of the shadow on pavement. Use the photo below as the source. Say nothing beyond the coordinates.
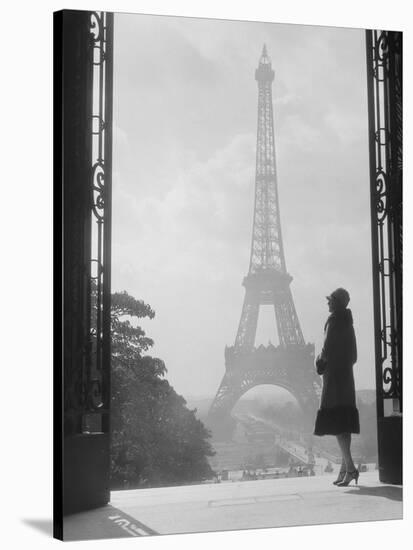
(387, 491)
(100, 523)
(103, 523)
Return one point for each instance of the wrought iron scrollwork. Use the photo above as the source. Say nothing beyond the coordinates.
(97, 26)
(98, 186)
(384, 59)
(98, 360)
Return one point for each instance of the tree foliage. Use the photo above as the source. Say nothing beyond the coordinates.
(156, 439)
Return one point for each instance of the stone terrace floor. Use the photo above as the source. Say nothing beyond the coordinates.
(237, 505)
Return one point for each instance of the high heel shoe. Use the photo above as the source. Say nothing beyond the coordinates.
(348, 478)
(340, 477)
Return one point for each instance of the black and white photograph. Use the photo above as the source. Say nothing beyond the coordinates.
(204, 257)
(231, 231)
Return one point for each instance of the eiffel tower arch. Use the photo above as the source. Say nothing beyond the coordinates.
(290, 365)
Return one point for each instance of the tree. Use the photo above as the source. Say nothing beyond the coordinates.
(156, 439)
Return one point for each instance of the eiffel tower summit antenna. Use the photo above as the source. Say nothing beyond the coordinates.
(290, 365)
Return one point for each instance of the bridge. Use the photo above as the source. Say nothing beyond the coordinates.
(294, 446)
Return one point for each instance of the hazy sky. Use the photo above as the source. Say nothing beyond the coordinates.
(185, 117)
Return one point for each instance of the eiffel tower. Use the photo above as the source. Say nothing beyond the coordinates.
(291, 364)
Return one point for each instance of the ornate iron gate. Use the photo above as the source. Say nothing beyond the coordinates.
(83, 155)
(384, 75)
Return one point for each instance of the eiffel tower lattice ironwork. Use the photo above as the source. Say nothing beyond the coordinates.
(291, 364)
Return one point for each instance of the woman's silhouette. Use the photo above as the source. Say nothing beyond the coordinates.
(338, 414)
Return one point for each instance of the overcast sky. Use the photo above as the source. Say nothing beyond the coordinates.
(185, 122)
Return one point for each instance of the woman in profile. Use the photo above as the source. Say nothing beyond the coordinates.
(338, 414)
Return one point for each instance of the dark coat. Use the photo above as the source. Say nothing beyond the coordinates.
(339, 354)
